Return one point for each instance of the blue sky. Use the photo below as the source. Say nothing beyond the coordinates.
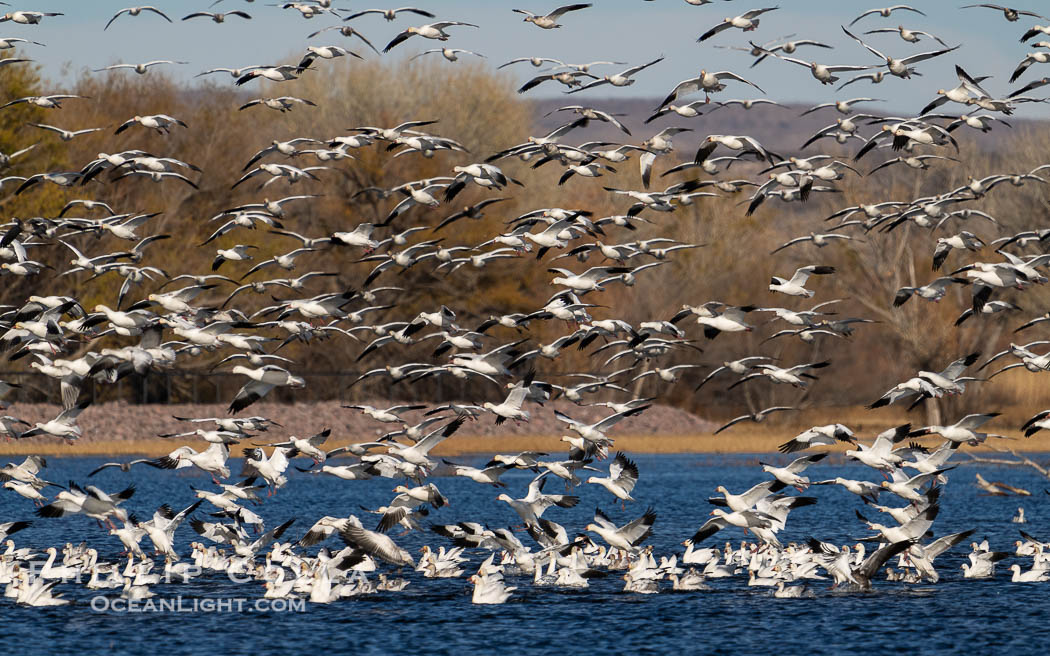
(633, 31)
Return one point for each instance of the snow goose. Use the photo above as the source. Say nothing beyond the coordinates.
(1009, 13)
(886, 11)
(141, 68)
(1031, 576)
(324, 52)
(262, 381)
(627, 537)
(28, 491)
(790, 475)
(825, 73)
(784, 591)
(982, 563)
(416, 454)
(161, 528)
(907, 487)
(375, 544)
(510, 408)
(451, 54)
(390, 14)
(623, 476)
(280, 103)
(964, 430)
(596, 431)
(796, 285)
(756, 417)
(282, 73)
(531, 507)
(28, 17)
(549, 21)
(790, 375)
(900, 67)
(135, 11)
(747, 22)
(621, 79)
(64, 135)
(1038, 57)
(708, 82)
(309, 446)
(879, 454)
(490, 589)
(64, 425)
(747, 519)
(853, 577)
(212, 460)
(430, 31)
(271, 468)
(217, 17)
(911, 36)
(489, 475)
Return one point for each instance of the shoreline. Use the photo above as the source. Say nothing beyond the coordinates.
(469, 445)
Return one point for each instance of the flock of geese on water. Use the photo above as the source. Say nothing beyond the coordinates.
(162, 329)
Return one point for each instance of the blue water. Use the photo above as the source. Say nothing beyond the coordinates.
(435, 616)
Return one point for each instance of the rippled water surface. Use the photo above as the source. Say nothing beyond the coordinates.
(435, 616)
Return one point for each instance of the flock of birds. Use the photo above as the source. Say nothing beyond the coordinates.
(160, 329)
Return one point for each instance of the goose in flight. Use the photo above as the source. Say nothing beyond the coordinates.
(628, 537)
(789, 47)
(391, 14)
(431, 31)
(550, 21)
(64, 135)
(886, 11)
(346, 31)
(900, 67)
(568, 78)
(828, 435)
(933, 291)
(795, 286)
(262, 381)
(141, 69)
(28, 17)
(532, 506)
(820, 240)
(1009, 13)
(451, 54)
(706, 82)
(47, 102)
(282, 73)
(1038, 57)
(747, 22)
(911, 36)
(219, 17)
(621, 79)
(623, 476)
(964, 430)
(10, 41)
(791, 375)
(841, 106)
(374, 544)
(324, 52)
(162, 123)
(64, 425)
(745, 519)
(756, 417)
(135, 11)
(824, 73)
(281, 103)
(535, 61)
(510, 408)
